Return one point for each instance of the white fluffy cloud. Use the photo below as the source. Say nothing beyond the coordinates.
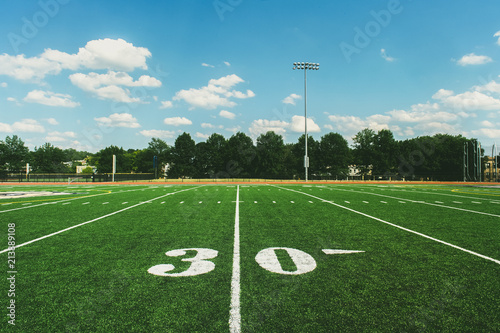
(450, 113)
(52, 121)
(383, 54)
(27, 69)
(60, 136)
(492, 87)
(166, 105)
(3, 84)
(158, 134)
(25, 125)
(492, 133)
(291, 99)
(262, 126)
(469, 100)
(112, 54)
(233, 130)
(202, 136)
(497, 34)
(298, 125)
(216, 94)
(227, 114)
(108, 86)
(118, 120)
(51, 99)
(473, 59)
(177, 121)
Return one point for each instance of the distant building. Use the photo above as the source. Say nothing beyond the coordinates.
(490, 172)
(80, 168)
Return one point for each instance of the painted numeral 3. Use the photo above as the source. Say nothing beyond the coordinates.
(200, 263)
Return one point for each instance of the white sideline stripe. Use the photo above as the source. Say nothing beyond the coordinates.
(423, 202)
(234, 313)
(96, 219)
(402, 228)
(435, 193)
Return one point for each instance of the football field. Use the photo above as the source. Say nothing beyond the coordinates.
(250, 258)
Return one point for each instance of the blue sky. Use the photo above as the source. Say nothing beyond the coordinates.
(89, 74)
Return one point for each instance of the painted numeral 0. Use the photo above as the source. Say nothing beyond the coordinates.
(268, 260)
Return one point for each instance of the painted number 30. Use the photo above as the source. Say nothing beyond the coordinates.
(267, 259)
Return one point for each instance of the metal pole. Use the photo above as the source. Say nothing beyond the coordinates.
(306, 158)
(493, 160)
(479, 167)
(114, 168)
(463, 165)
(305, 66)
(467, 159)
(496, 162)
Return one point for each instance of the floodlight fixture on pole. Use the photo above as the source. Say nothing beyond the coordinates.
(305, 66)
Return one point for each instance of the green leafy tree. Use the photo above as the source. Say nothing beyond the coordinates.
(13, 154)
(215, 154)
(439, 157)
(290, 161)
(183, 155)
(313, 152)
(143, 161)
(75, 155)
(49, 159)
(335, 155)
(200, 161)
(240, 156)
(162, 150)
(103, 160)
(270, 156)
(385, 152)
(364, 152)
(88, 170)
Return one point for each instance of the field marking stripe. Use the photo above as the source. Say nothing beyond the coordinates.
(234, 313)
(422, 202)
(437, 193)
(64, 200)
(94, 220)
(399, 227)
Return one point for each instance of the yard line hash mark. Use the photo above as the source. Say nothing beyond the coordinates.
(400, 227)
(423, 202)
(94, 220)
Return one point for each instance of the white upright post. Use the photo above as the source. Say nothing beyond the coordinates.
(114, 167)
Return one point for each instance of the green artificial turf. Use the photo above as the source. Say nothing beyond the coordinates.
(96, 276)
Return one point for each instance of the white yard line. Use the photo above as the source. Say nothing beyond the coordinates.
(397, 226)
(234, 313)
(422, 202)
(94, 220)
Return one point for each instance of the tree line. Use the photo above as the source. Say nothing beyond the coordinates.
(375, 155)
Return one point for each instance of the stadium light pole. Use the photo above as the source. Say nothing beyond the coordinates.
(305, 66)
(494, 153)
